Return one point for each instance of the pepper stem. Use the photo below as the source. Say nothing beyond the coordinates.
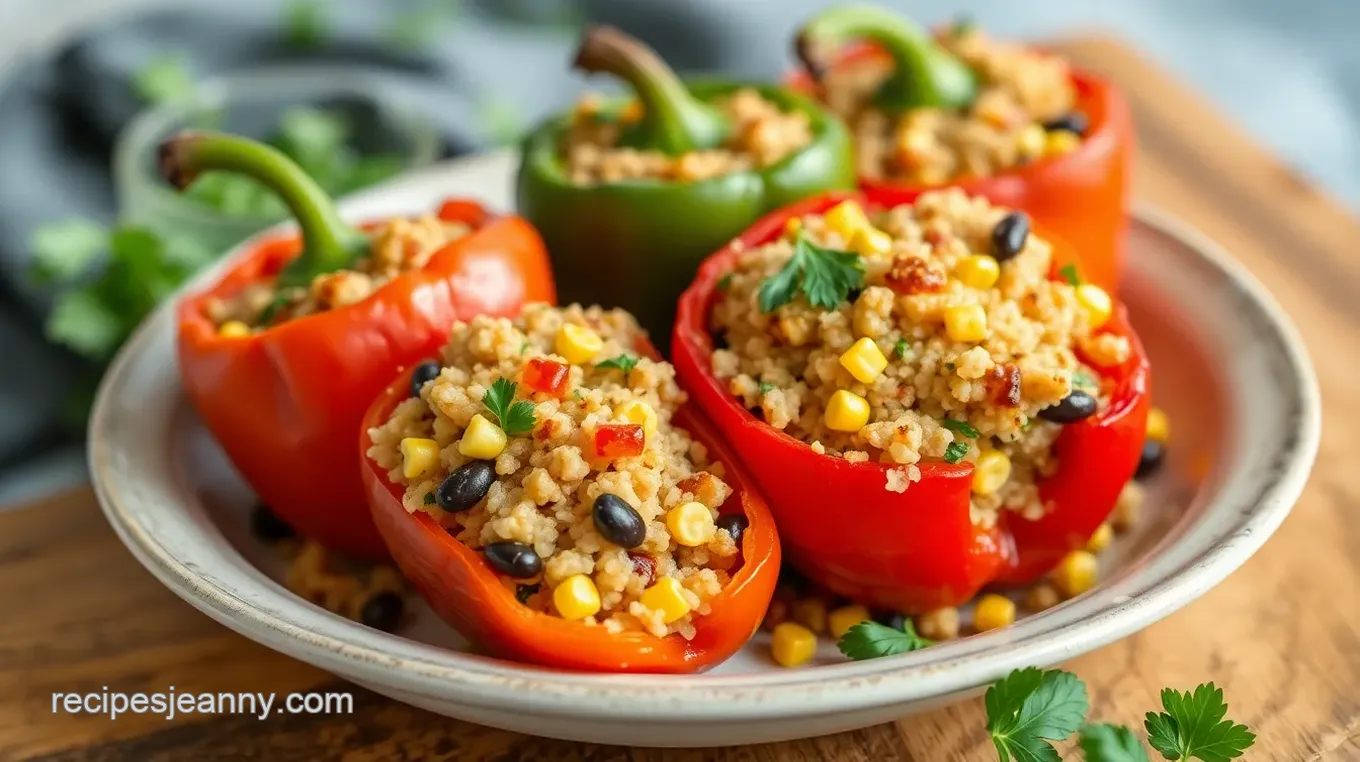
(328, 243)
(924, 73)
(673, 121)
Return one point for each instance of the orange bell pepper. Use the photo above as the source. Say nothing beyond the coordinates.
(466, 593)
(284, 401)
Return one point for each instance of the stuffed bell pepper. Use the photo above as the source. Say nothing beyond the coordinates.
(282, 354)
(631, 195)
(931, 398)
(1017, 125)
(548, 492)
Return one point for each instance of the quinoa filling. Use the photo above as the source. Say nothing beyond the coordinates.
(1025, 111)
(545, 442)
(937, 353)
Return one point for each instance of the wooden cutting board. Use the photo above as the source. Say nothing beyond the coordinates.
(1282, 634)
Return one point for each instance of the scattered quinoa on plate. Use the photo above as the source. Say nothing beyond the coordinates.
(545, 441)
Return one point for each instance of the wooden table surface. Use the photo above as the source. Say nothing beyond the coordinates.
(1282, 634)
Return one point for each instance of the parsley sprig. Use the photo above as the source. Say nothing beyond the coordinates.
(960, 427)
(514, 418)
(625, 363)
(1193, 725)
(955, 452)
(826, 277)
(869, 640)
(1030, 708)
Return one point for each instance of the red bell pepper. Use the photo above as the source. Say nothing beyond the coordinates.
(916, 550)
(467, 594)
(1081, 197)
(283, 402)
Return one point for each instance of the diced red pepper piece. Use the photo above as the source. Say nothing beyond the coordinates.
(619, 440)
(547, 376)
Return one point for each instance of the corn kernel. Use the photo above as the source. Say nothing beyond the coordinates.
(691, 524)
(668, 597)
(1076, 573)
(811, 613)
(1096, 302)
(483, 439)
(864, 360)
(1158, 425)
(965, 323)
(846, 218)
(978, 271)
(1100, 540)
(842, 619)
(233, 329)
(846, 411)
(577, 343)
(793, 227)
(993, 611)
(939, 624)
(990, 472)
(418, 455)
(576, 597)
(1042, 597)
(640, 413)
(869, 241)
(1031, 141)
(792, 644)
(1061, 143)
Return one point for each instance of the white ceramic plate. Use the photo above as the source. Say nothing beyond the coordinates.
(1227, 366)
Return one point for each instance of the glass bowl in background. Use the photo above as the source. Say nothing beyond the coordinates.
(253, 103)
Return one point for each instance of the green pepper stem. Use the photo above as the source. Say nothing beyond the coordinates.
(328, 243)
(673, 121)
(924, 74)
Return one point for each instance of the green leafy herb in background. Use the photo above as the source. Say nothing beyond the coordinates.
(960, 427)
(1110, 743)
(870, 640)
(163, 80)
(304, 23)
(825, 276)
(955, 452)
(1193, 725)
(515, 418)
(625, 363)
(1030, 709)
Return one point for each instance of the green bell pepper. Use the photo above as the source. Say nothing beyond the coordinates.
(636, 244)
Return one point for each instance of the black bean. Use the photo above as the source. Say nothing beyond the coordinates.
(466, 486)
(1151, 461)
(1077, 406)
(892, 619)
(1009, 236)
(618, 522)
(735, 524)
(1072, 121)
(513, 559)
(383, 611)
(423, 374)
(267, 526)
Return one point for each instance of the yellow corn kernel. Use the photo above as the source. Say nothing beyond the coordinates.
(811, 613)
(793, 227)
(978, 271)
(418, 455)
(577, 343)
(668, 597)
(691, 524)
(792, 644)
(842, 619)
(869, 241)
(1076, 573)
(1158, 425)
(965, 323)
(1031, 140)
(992, 469)
(233, 329)
(1061, 143)
(864, 360)
(1096, 302)
(1100, 540)
(1042, 597)
(576, 597)
(993, 611)
(640, 413)
(846, 411)
(483, 439)
(846, 218)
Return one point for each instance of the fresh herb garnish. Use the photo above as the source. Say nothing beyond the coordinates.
(901, 347)
(1030, 708)
(524, 592)
(1082, 378)
(955, 452)
(1069, 273)
(429, 498)
(524, 347)
(870, 640)
(1193, 726)
(724, 282)
(514, 418)
(625, 363)
(163, 80)
(824, 276)
(766, 387)
(1110, 743)
(960, 427)
(578, 394)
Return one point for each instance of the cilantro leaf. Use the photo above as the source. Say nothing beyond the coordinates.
(515, 418)
(429, 498)
(1069, 273)
(870, 640)
(63, 250)
(624, 363)
(955, 452)
(766, 387)
(162, 80)
(1110, 743)
(901, 347)
(81, 320)
(724, 282)
(960, 427)
(826, 277)
(1029, 708)
(1193, 725)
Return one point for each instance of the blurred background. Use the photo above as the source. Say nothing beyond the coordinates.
(360, 90)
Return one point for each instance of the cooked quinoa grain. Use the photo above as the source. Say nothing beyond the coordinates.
(611, 510)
